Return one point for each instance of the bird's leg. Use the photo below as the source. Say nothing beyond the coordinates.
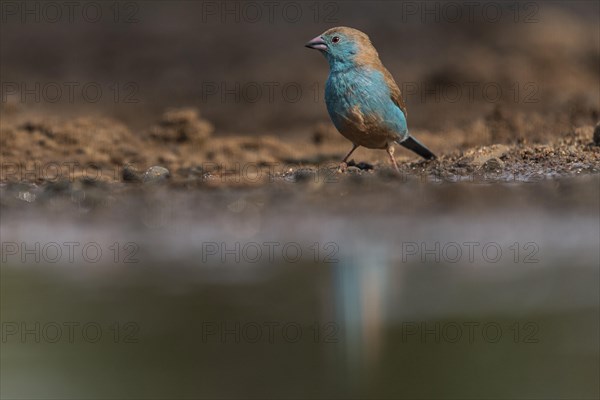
(343, 164)
(390, 151)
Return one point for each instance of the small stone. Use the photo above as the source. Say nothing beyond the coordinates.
(304, 175)
(156, 174)
(597, 135)
(26, 196)
(484, 154)
(130, 174)
(361, 165)
(492, 165)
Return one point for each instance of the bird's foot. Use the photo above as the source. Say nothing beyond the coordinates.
(390, 151)
(343, 167)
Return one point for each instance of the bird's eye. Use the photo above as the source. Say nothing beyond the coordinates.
(335, 39)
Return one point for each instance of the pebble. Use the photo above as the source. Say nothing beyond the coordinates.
(493, 164)
(130, 174)
(156, 174)
(304, 175)
(361, 165)
(27, 196)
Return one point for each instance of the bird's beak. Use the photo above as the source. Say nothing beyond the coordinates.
(317, 43)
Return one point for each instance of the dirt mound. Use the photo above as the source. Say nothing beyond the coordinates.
(506, 143)
(180, 140)
(181, 125)
(102, 142)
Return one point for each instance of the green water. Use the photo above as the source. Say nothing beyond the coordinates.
(379, 304)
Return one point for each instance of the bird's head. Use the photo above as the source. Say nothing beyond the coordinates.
(344, 47)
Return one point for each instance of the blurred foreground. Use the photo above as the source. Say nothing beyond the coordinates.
(363, 287)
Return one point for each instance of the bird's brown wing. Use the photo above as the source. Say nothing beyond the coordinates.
(395, 91)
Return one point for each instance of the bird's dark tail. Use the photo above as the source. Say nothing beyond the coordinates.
(413, 144)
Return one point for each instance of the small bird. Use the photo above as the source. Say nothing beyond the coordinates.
(363, 100)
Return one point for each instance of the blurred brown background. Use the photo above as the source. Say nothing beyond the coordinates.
(451, 58)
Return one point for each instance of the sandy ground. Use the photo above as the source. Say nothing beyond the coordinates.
(46, 149)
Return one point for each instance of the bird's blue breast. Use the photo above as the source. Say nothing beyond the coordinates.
(363, 90)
